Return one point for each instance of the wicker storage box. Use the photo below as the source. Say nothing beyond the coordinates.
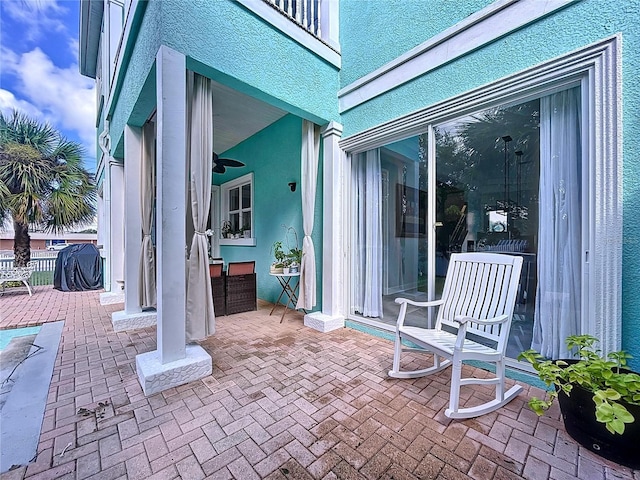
(241, 293)
(218, 289)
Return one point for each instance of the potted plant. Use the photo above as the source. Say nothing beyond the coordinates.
(599, 398)
(295, 258)
(278, 253)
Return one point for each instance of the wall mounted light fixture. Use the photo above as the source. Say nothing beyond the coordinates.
(292, 186)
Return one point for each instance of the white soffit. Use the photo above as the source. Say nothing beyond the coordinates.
(237, 116)
(481, 28)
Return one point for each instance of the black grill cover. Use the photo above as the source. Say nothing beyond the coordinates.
(78, 267)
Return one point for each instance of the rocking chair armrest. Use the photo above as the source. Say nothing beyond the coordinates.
(403, 302)
(463, 319)
(433, 303)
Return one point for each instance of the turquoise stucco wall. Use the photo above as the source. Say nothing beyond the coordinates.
(580, 24)
(394, 27)
(273, 155)
(244, 51)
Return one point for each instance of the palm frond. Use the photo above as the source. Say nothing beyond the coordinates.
(42, 178)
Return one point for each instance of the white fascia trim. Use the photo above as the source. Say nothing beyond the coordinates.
(490, 23)
(289, 28)
(564, 70)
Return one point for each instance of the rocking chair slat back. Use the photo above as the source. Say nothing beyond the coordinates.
(478, 286)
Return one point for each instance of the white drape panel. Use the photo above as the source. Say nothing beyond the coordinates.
(309, 181)
(367, 258)
(200, 314)
(557, 313)
(147, 288)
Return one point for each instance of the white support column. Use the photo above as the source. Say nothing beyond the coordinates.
(333, 240)
(115, 248)
(173, 363)
(132, 316)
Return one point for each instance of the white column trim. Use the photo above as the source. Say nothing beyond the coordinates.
(132, 218)
(333, 234)
(496, 20)
(173, 363)
(171, 88)
(132, 317)
(116, 244)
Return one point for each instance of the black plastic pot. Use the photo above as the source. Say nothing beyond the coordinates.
(578, 412)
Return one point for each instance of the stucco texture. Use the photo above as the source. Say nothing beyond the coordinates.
(393, 27)
(234, 42)
(273, 155)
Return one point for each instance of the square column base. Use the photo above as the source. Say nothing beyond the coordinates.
(155, 376)
(110, 298)
(323, 322)
(130, 321)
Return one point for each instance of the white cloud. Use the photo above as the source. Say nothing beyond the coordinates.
(64, 97)
(38, 16)
(9, 102)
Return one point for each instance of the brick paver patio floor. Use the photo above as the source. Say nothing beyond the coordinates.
(283, 402)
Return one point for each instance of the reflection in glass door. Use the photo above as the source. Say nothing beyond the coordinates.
(506, 180)
(487, 195)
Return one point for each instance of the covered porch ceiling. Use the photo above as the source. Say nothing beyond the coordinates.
(237, 116)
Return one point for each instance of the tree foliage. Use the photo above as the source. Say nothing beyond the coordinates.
(43, 183)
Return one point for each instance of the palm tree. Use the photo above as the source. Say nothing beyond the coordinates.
(43, 182)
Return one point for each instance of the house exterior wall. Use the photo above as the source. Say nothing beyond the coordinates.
(275, 155)
(363, 24)
(228, 43)
(576, 25)
(225, 42)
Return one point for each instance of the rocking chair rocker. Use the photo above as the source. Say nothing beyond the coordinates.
(478, 298)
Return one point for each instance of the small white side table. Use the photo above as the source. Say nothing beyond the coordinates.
(289, 291)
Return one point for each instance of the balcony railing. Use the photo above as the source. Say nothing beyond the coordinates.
(306, 13)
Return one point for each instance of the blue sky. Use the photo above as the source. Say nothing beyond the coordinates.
(39, 72)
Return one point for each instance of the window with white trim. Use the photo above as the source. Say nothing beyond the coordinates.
(237, 211)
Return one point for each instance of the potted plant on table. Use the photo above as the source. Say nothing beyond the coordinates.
(295, 258)
(278, 253)
(599, 398)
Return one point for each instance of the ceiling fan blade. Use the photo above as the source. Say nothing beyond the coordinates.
(220, 163)
(229, 162)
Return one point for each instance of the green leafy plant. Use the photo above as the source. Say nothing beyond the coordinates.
(594, 373)
(279, 254)
(294, 256)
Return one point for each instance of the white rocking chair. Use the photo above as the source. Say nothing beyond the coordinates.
(478, 298)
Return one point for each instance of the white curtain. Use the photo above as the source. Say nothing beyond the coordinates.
(309, 180)
(147, 288)
(200, 314)
(557, 313)
(367, 258)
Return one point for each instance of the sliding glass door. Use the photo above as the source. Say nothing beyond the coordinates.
(507, 180)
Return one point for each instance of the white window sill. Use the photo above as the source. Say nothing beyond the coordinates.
(238, 242)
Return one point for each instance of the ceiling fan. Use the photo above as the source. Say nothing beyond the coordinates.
(220, 164)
